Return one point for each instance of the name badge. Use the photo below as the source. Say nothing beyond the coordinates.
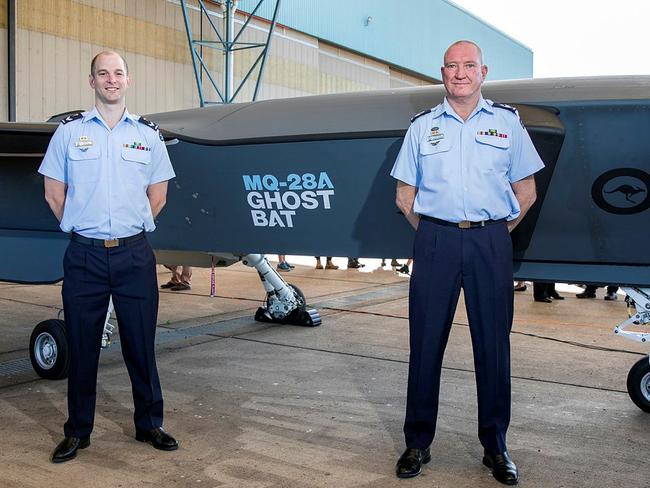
(83, 143)
(435, 136)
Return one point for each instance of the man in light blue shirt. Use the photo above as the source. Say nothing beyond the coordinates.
(465, 179)
(106, 174)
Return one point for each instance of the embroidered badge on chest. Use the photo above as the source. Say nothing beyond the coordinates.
(435, 136)
(83, 143)
(137, 145)
(493, 133)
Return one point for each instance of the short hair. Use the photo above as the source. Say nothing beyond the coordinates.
(464, 41)
(94, 61)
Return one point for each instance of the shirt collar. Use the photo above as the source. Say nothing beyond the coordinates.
(482, 104)
(94, 114)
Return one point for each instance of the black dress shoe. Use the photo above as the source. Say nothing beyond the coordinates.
(610, 297)
(158, 438)
(586, 294)
(181, 287)
(410, 463)
(68, 447)
(556, 296)
(503, 468)
(543, 299)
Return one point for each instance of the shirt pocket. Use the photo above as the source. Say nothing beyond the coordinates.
(133, 155)
(429, 149)
(494, 151)
(135, 166)
(432, 161)
(83, 164)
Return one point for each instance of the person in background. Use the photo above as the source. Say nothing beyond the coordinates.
(590, 292)
(181, 279)
(545, 292)
(353, 263)
(328, 263)
(282, 264)
(405, 268)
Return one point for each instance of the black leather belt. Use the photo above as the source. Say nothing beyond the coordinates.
(122, 241)
(463, 224)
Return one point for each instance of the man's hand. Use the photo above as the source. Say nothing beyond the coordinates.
(157, 194)
(526, 195)
(404, 200)
(55, 196)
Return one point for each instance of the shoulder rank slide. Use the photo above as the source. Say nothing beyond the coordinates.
(151, 125)
(506, 107)
(72, 117)
(509, 109)
(416, 116)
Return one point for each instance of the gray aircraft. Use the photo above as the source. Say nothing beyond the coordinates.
(310, 176)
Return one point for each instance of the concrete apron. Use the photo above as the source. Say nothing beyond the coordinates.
(255, 405)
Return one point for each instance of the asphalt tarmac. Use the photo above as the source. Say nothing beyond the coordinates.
(257, 405)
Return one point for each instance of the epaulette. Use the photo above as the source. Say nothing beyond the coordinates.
(506, 107)
(72, 117)
(424, 112)
(151, 125)
(509, 109)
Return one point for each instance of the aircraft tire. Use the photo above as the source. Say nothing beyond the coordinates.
(638, 384)
(48, 350)
(299, 294)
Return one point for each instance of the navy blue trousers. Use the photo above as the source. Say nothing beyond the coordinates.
(479, 261)
(91, 276)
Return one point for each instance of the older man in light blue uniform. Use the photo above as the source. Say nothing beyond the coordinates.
(465, 179)
(106, 175)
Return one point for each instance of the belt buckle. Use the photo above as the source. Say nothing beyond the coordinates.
(111, 242)
(464, 224)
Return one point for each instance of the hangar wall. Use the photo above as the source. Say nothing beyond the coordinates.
(412, 34)
(56, 39)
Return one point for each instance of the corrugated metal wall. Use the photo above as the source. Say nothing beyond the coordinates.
(56, 39)
(412, 34)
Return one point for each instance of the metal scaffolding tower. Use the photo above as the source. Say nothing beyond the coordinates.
(227, 41)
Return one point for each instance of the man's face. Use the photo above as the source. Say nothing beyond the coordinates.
(463, 72)
(110, 80)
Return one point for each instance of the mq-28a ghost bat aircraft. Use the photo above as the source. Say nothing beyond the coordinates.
(310, 176)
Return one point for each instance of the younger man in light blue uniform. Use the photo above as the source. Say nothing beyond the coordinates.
(465, 179)
(106, 175)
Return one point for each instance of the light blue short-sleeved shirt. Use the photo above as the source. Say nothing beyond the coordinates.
(107, 172)
(463, 170)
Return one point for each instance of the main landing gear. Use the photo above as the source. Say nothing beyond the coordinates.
(284, 304)
(48, 346)
(638, 379)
